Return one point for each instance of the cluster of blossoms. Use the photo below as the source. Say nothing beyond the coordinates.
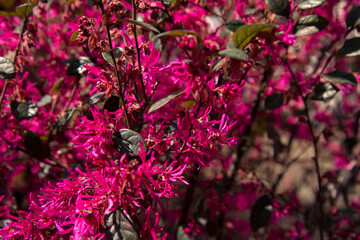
(179, 119)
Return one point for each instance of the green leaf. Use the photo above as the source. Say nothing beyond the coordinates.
(306, 4)
(341, 77)
(280, 7)
(178, 33)
(6, 13)
(234, 24)
(164, 101)
(24, 10)
(310, 24)
(57, 86)
(142, 24)
(246, 33)
(234, 53)
(350, 48)
(7, 68)
(274, 101)
(74, 36)
(117, 54)
(323, 91)
(353, 17)
(22, 110)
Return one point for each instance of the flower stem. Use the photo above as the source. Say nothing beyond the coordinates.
(138, 51)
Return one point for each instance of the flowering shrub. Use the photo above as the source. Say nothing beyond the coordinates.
(179, 119)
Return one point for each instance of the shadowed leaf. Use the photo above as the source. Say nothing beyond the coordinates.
(261, 213)
(353, 17)
(280, 7)
(323, 91)
(341, 77)
(310, 24)
(22, 110)
(234, 24)
(274, 101)
(350, 48)
(112, 103)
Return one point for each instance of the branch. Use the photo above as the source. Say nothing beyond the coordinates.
(316, 152)
(118, 74)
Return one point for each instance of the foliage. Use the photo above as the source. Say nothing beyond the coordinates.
(179, 119)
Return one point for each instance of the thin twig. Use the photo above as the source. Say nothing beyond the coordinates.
(138, 50)
(316, 152)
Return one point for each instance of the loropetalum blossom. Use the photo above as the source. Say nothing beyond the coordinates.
(205, 149)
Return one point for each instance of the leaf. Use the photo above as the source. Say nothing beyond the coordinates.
(32, 143)
(164, 101)
(280, 7)
(219, 65)
(57, 85)
(353, 17)
(74, 36)
(7, 68)
(142, 24)
(246, 33)
(6, 13)
(66, 119)
(22, 110)
(96, 97)
(350, 48)
(45, 100)
(341, 77)
(77, 65)
(177, 33)
(112, 103)
(274, 101)
(24, 10)
(188, 104)
(306, 4)
(117, 54)
(323, 91)
(261, 212)
(181, 234)
(119, 225)
(230, 44)
(128, 141)
(234, 53)
(310, 24)
(234, 24)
